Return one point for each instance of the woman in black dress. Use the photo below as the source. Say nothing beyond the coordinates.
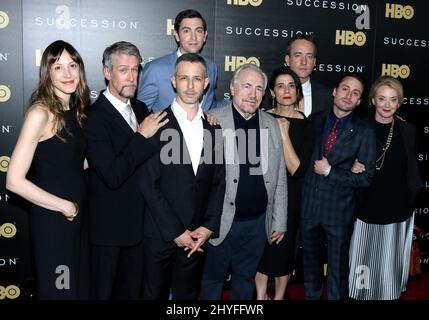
(51, 142)
(278, 259)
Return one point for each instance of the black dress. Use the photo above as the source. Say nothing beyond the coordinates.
(57, 242)
(279, 259)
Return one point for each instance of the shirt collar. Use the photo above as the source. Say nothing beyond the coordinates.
(179, 112)
(118, 104)
(306, 86)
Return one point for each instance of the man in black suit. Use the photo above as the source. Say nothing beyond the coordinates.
(329, 188)
(118, 130)
(301, 58)
(183, 187)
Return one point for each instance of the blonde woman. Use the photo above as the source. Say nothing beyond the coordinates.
(381, 241)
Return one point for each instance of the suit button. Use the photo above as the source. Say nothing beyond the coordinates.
(231, 203)
(235, 180)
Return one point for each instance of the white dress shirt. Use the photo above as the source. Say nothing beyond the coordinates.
(306, 91)
(123, 108)
(193, 132)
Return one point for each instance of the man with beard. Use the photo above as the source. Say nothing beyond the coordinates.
(118, 130)
(328, 198)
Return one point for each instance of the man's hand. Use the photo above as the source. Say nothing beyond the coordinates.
(277, 236)
(211, 119)
(201, 235)
(358, 167)
(322, 167)
(151, 124)
(185, 240)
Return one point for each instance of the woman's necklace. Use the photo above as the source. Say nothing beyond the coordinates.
(380, 160)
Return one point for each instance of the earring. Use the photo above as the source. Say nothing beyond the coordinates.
(273, 101)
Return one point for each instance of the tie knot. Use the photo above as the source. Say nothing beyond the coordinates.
(128, 109)
(336, 122)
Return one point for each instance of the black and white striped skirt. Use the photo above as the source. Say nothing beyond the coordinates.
(380, 260)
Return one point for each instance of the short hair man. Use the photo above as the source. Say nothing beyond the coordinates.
(301, 58)
(184, 197)
(155, 88)
(329, 188)
(118, 129)
(255, 203)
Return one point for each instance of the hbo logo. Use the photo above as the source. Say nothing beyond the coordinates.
(10, 292)
(395, 70)
(349, 38)
(234, 62)
(7, 230)
(397, 11)
(254, 3)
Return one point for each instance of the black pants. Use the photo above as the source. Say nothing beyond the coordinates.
(167, 266)
(116, 272)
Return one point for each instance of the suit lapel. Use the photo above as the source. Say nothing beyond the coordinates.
(185, 158)
(265, 141)
(345, 136)
(120, 121)
(140, 114)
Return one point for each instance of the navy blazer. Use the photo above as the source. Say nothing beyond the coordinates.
(331, 199)
(177, 199)
(157, 91)
(114, 152)
(321, 99)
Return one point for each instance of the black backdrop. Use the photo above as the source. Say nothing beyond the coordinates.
(383, 37)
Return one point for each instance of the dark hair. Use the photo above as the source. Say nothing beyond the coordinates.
(301, 36)
(285, 70)
(357, 76)
(121, 47)
(45, 94)
(188, 13)
(194, 58)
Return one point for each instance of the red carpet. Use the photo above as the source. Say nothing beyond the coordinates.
(417, 289)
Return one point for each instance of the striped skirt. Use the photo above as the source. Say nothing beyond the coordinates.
(380, 260)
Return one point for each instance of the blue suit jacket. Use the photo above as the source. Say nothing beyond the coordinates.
(156, 90)
(332, 199)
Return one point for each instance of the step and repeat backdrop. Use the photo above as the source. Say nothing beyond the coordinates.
(369, 37)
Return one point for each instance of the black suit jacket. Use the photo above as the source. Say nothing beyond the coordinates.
(321, 99)
(114, 154)
(414, 181)
(176, 199)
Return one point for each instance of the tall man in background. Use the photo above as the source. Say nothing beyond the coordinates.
(155, 87)
(301, 58)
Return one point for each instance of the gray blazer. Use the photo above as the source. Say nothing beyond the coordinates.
(272, 160)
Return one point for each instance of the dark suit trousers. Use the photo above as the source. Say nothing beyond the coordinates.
(241, 250)
(167, 266)
(116, 272)
(338, 238)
